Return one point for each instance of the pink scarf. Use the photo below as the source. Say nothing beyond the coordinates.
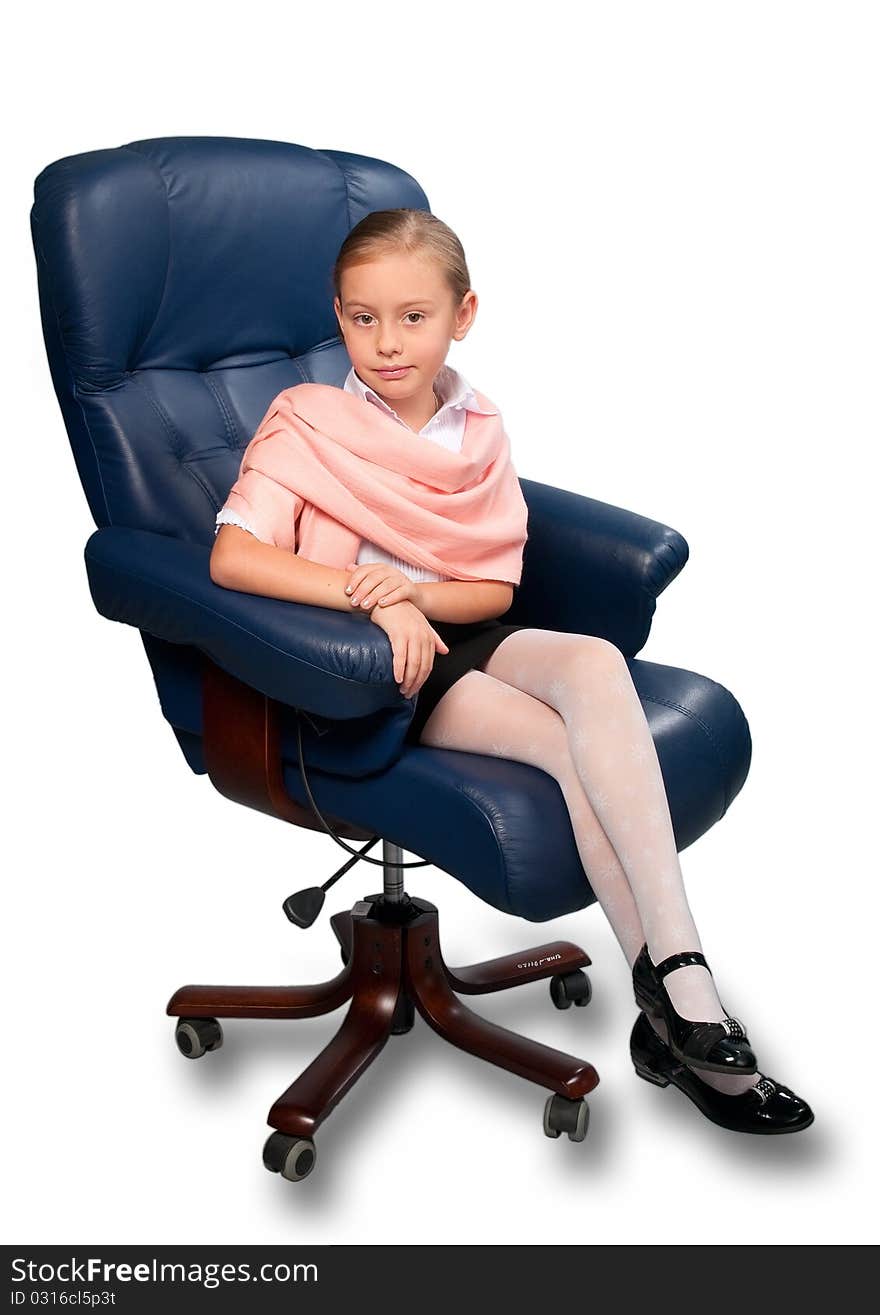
(326, 469)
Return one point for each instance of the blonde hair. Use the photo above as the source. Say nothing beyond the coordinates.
(417, 231)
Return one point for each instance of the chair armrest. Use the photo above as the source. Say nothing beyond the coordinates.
(593, 568)
(315, 658)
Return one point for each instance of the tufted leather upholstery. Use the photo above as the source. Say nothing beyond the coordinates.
(183, 283)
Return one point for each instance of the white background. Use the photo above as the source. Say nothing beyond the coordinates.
(670, 214)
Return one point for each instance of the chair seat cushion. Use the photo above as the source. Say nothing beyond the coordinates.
(502, 827)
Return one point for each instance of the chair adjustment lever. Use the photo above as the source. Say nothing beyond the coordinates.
(303, 907)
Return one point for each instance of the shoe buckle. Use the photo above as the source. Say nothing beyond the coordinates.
(764, 1089)
(733, 1027)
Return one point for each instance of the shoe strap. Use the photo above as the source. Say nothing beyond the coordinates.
(683, 960)
(764, 1088)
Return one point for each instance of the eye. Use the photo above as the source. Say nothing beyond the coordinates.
(365, 315)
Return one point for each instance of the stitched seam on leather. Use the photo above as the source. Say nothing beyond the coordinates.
(481, 813)
(228, 419)
(72, 377)
(205, 607)
(343, 175)
(707, 731)
(151, 164)
(88, 430)
(321, 347)
(175, 442)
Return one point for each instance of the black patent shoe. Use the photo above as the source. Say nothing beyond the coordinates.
(721, 1047)
(767, 1107)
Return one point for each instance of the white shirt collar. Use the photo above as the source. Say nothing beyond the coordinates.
(452, 388)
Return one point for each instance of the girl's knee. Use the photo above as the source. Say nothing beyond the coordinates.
(591, 655)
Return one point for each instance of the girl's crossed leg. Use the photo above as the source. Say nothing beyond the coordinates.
(566, 703)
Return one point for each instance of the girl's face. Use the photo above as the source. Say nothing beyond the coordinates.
(397, 313)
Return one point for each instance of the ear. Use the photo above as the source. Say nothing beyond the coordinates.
(465, 314)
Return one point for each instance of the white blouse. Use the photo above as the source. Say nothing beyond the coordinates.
(457, 397)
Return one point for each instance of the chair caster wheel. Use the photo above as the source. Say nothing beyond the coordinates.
(196, 1035)
(567, 989)
(569, 1116)
(292, 1157)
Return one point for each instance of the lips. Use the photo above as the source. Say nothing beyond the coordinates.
(396, 373)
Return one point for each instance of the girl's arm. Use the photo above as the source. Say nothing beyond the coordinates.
(464, 600)
(241, 561)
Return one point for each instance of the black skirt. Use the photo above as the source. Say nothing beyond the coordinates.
(470, 645)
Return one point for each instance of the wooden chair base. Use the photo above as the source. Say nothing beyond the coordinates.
(393, 965)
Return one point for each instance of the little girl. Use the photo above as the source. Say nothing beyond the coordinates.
(563, 702)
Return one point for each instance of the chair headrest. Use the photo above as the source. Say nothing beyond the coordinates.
(184, 282)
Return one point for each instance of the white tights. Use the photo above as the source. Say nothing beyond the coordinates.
(567, 704)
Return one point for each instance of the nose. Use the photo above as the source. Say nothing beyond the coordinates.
(388, 343)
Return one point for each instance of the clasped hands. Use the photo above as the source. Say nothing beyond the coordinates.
(377, 586)
(374, 583)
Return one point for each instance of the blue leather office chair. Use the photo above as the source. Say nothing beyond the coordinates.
(183, 283)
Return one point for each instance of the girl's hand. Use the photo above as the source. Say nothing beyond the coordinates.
(379, 582)
(414, 643)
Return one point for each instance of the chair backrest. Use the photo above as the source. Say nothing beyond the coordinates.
(183, 283)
